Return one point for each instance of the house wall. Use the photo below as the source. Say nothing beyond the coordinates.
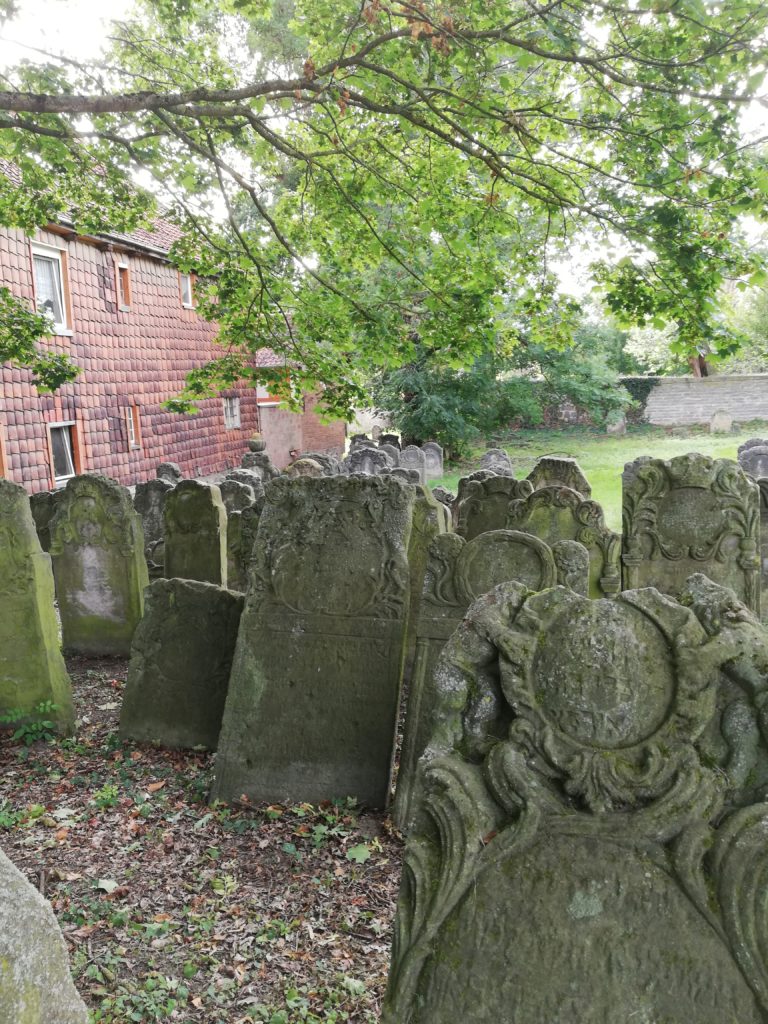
(140, 355)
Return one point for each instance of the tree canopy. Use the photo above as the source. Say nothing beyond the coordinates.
(362, 181)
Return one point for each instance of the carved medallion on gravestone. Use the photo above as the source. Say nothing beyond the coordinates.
(97, 546)
(315, 683)
(559, 513)
(482, 505)
(497, 460)
(433, 456)
(170, 472)
(556, 471)
(181, 659)
(753, 442)
(584, 846)
(691, 514)
(236, 495)
(196, 533)
(412, 457)
(32, 670)
(241, 537)
(43, 506)
(457, 573)
(754, 460)
(149, 502)
(305, 467)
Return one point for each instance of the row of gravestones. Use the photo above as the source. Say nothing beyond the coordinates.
(412, 463)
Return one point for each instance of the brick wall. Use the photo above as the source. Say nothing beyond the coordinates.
(139, 355)
(286, 431)
(678, 401)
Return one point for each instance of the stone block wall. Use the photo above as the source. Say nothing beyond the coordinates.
(680, 401)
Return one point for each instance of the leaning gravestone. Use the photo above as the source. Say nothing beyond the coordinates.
(149, 502)
(457, 574)
(433, 457)
(196, 533)
(496, 460)
(585, 846)
(35, 983)
(413, 458)
(691, 514)
(482, 505)
(180, 664)
(315, 684)
(755, 461)
(557, 471)
(32, 670)
(97, 546)
(558, 513)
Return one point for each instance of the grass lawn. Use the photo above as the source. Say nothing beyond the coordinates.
(602, 456)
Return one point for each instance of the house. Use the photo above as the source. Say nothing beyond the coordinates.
(127, 318)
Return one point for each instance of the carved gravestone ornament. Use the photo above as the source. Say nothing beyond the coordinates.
(315, 683)
(196, 533)
(691, 514)
(559, 471)
(97, 547)
(559, 513)
(482, 504)
(585, 848)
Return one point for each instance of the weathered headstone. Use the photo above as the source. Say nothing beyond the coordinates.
(366, 460)
(482, 505)
(330, 463)
(412, 457)
(433, 457)
(237, 495)
(170, 472)
(691, 514)
(392, 453)
(43, 506)
(315, 683)
(32, 670)
(35, 983)
(457, 574)
(558, 513)
(585, 848)
(196, 533)
(753, 442)
(241, 537)
(721, 422)
(181, 659)
(755, 461)
(559, 471)
(149, 502)
(305, 467)
(409, 476)
(260, 461)
(392, 439)
(250, 477)
(497, 460)
(97, 546)
(445, 496)
(616, 425)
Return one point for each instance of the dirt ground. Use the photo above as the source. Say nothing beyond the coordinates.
(174, 910)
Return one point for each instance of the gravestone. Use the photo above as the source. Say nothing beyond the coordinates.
(496, 460)
(616, 426)
(586, 848)
(236, 495)
(43, 506)
(97, 546)
(753, 442)
(392, 453)
(196, 533)
(721, 422)
(390, 439)
(315, 683)
(755, 461)
(260, 462)
(149, 502)
(249, 477)
(433, 456)
(691, 514)
(414, 458)
(330, 463)
(558, 513)
(305, 467)
(763, 486)
(458, 572)
(366, 460)
(445, 496)
(181, 659)
(241, 537)
(482, 505)
(32, 670)
(557, 471)
(35, 983)
(170, 472)
(408, 476)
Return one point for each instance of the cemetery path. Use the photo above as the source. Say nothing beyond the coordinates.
(174, 910)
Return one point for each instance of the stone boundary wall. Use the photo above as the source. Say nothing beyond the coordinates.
(679, 401)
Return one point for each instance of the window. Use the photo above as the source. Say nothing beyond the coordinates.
(63, 451)
(50, 296)
(133, 418)
(231, 413)
(123, 286)
(264, 398)
(187, 294)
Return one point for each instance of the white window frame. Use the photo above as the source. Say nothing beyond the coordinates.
(186, 290)
(124, 306)
(60, 481)
(50, 252)
(133, 417)
(231, 409)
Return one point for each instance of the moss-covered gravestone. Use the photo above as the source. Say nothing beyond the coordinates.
(32, 670)
(559, 513)
(180, 663)
(587, 845)
(691, 514)
(97, 546)
(35, 984)
(458, 572)
(196, 533)
(241, 537)
(559, 471)
(315, 683)
(482, 504)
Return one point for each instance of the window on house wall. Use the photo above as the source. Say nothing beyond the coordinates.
(231, 413)
(50, 297)
(187, 293)
(123, 286)
(63, 451)
(133, 418)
